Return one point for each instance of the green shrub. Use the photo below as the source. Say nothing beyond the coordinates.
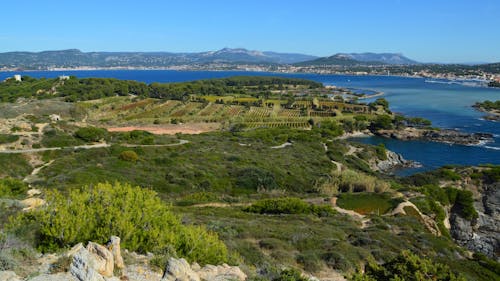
(8, 138)
(137, 215)
(91, 134)
(279, 206)
(449, 174)
(382, 122)
(288, 205)
(10, 187)
(254, 179)
(407, 266)
(352, 181)
(290, 275)
(464, 204)
(381, 151)
(128, 155)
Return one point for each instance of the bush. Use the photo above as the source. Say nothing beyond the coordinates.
(352, 181)
(288, 205)
(254, 179)
(128, 155)
(135, 214)
(382, 122)
(91, 134)
(381, 151)
(290, 275)
(8, 138)
(407, 266)
(464, 204)
(10, 188)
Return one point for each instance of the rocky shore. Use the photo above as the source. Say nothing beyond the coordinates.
(480, 234)
(492, 115)
(445, 136)
(393, 162)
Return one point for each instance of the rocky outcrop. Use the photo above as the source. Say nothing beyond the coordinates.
(9, 276)
(114, 246)
(481, 234)
(98, 263)
(446, 136)
(394, 161)
(180, 270)
(221, 273)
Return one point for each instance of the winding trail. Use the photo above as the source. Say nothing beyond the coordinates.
(88, 146)
(29, 178)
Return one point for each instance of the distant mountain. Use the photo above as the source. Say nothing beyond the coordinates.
(76, 58)
(239, 55)
(353, 59)
(385, 58)
(338, 60)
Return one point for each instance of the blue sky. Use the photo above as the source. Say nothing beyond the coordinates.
(428, 31)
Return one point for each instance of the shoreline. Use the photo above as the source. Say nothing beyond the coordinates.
(451, 79)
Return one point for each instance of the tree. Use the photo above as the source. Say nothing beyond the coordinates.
(382, 122)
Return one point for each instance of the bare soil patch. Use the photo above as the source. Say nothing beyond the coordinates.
(171, 129)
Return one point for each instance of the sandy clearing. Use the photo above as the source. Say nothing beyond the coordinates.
(171, 129)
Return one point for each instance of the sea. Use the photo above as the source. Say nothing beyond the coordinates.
(447, 103)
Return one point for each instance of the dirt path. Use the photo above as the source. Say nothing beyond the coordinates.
(282, 145)
(428, 222)
(30, 178)
(220, 205)
(89, 146)
(339, 166)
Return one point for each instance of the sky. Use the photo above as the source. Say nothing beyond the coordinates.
(423, 30)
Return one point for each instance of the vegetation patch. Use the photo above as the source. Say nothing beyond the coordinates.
(367, 203)
(288, 205)
(135, 214)
(8, 138)
(12, 188)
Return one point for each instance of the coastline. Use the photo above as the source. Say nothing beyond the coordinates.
(243, 69)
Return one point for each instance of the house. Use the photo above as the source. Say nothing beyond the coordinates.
(17, 77)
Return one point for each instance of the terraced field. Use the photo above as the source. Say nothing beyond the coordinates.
(273, 113)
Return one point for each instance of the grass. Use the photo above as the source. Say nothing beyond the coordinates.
(367, 203)
(213, 162)
(313, 243)
(14, 165)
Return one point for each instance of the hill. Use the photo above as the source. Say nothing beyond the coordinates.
(355, 59)
(385, 58)
(76, 58)
(338, 59)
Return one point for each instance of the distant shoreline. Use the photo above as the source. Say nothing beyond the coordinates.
(465, 79)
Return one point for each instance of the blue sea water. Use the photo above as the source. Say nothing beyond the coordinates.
(446, 104)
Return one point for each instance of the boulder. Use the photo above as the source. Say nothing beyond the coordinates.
(221, 273)
(63, 276)
(114, 246)
(179, 270)
(105, 259)
(9, 276)
(84, 266)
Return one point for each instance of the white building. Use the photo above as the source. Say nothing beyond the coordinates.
(17, 77)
